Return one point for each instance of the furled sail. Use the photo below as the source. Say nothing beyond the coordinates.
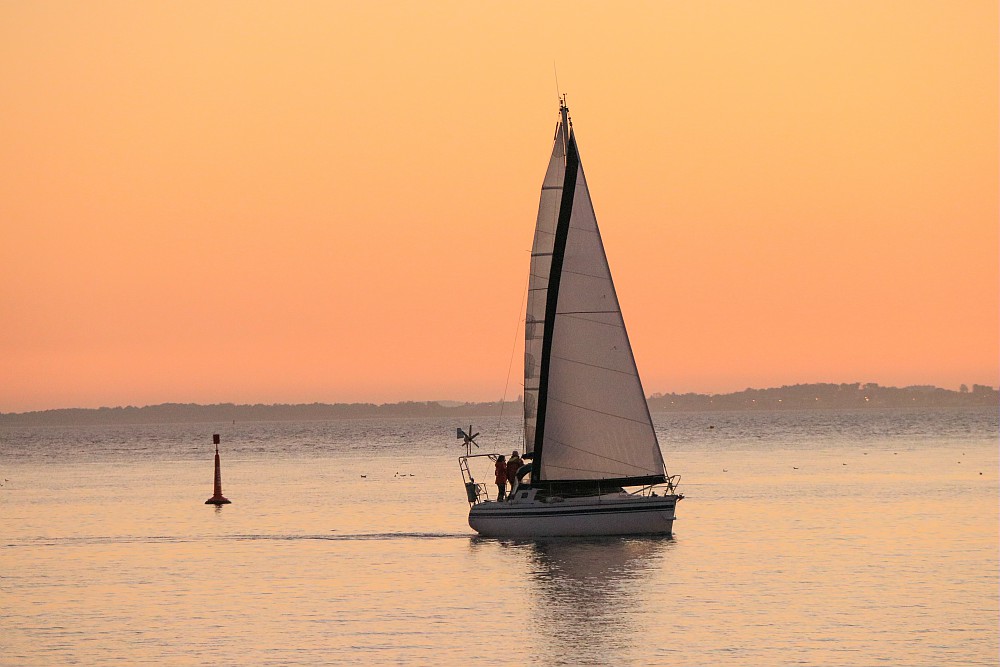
(585, 414)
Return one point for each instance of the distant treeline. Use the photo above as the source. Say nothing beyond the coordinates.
(794, 397)
(173, 413)
(827, 395)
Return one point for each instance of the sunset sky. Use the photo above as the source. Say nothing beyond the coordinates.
(271, 202)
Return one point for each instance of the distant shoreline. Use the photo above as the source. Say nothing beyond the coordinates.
(789, 397)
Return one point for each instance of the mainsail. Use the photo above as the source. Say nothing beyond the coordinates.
(585, 415)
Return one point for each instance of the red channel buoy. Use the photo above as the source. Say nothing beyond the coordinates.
(217, 497)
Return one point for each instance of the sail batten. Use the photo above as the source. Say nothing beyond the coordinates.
(586, 417)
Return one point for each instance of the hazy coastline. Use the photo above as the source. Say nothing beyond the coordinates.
(789, 397)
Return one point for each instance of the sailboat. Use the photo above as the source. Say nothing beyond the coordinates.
(594, 465)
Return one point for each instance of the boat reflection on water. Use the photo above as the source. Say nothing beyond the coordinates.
(589, 595)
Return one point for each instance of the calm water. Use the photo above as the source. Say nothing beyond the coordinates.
(807, 538)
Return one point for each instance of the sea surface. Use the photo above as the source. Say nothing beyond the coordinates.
(805, 538)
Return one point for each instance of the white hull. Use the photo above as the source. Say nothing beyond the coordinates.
(612, 514)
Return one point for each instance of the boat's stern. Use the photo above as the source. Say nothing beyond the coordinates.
(476, 492)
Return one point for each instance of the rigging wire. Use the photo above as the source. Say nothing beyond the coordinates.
(513, 349)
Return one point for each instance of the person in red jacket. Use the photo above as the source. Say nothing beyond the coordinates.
(501, 479)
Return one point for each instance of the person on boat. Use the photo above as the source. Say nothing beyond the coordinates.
(514, 464)
(501, 470)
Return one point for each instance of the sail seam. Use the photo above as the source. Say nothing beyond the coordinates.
(617, 475)
(595, 455)
(607, 414)
(585, 275)
(603, 368)
(617, 325)
(587, 312)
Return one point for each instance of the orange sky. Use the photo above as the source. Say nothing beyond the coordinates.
(297, 202)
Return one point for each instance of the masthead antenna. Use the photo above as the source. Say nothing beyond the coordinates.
(555, 71)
